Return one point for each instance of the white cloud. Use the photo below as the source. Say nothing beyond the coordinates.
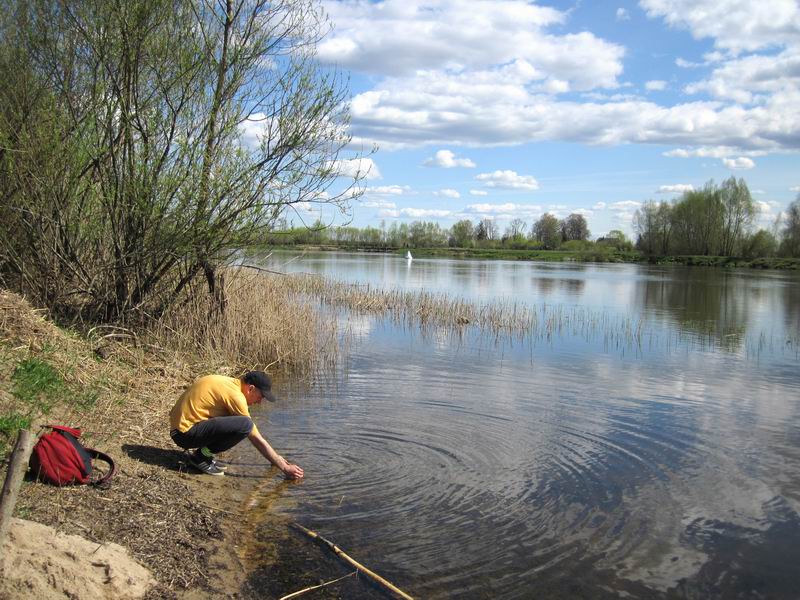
(403, 37)
(447, 193)
(599, 206)
(711, 152)
(389, 213)
(508, 179)
(447, 160)
(753, 78)
(488, 108)
(507, 210)
(488, 73)
(252, 129)
(685, 64)
(421, 213)
(357, 167)
(623, 15)
(734, 25)
(655, 85)
(378, 204)
(763, 207)
(388, 190)
(479, 192)
(625, 205)
(740, 163)
(676, 188)
(795, 188)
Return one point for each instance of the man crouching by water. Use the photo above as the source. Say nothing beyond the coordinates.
(212, 416)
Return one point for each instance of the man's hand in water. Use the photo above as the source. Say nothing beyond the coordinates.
(293, 472)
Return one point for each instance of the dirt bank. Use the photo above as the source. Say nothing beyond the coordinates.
(183, 527)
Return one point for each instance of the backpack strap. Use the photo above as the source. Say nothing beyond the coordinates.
(105, 480)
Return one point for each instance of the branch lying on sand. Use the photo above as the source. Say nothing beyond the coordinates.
(361, 568)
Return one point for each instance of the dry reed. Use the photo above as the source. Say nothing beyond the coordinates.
(495, 317)
(264, 324)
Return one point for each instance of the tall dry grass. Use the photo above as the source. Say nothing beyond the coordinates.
(265, 323)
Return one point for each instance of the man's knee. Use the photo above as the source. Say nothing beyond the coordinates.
(244, 425)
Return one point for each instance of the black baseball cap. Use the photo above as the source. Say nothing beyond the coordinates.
(262, 381)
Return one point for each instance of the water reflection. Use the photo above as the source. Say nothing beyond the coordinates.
(577, 464)
(716, 305)
(472, 467)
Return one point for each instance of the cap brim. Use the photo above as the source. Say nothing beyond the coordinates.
(268, 395)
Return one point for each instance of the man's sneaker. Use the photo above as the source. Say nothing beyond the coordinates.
(221, 466)
(204, 465)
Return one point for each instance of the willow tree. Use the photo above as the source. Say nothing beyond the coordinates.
(183, 128)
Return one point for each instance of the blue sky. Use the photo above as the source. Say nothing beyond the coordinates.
(508, 109)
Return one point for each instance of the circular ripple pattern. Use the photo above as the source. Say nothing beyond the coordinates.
(479, 471)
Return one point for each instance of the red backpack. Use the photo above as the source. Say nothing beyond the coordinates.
(59, 458)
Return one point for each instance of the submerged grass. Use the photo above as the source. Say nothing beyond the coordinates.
(442, 310)
(523, 320)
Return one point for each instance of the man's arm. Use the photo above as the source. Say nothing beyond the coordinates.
(291, 471)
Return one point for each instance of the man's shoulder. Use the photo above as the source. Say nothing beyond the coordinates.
(217, 384)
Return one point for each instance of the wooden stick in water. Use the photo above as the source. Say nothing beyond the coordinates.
(316, 587)
(341, 554)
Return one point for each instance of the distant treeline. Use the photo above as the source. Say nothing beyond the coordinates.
(713, 221)
(548, 233)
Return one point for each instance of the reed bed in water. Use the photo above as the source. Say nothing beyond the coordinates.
(441, 310)
(264, 324)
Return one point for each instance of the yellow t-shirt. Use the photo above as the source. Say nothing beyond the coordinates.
(208, 397)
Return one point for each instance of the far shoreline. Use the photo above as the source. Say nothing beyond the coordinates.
(589, 256)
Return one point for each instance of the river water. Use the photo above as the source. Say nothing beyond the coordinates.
(577, 464)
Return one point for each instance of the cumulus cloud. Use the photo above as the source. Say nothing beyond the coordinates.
(490, 109)
(388, 190)
(357, 167)
(625, 205)
(675, 188)
(740, 163)
(479, 192)
(655, 85)
(403, 37)
(490, 72)
(599, 206)
(508, 210)
(447, 193)
(378, 204)
(421, 213)
(447, 160)
(623, 15)
(753, 78)
(508, 179)
(735, 25)
(795, 188)
(722, 152)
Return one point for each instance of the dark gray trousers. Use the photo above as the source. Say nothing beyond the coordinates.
(217, 434)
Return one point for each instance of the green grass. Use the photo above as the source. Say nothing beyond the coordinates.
(38, 387)
(10, 424)
(37, 383)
